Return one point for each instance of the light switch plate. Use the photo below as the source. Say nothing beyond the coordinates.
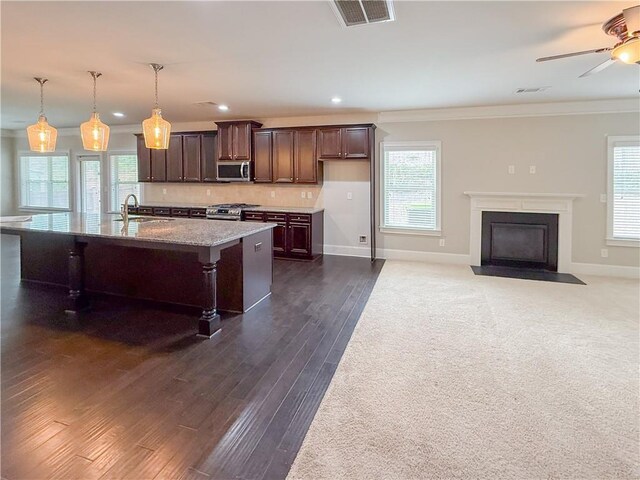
(512, 169)
(273, 194)
(349, 196)
(164, 191)
(208, 192)
(604, 253)
(303, 195)
(603, 198)
(442, 242)
(309, 195)
(532, 169)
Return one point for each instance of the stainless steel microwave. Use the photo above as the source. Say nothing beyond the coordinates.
(234, 171)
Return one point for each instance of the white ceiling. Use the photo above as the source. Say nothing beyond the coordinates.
(276, 59)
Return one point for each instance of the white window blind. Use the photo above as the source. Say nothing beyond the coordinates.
(124, 178)
(625, 190)
(410, 186)
(44, 181)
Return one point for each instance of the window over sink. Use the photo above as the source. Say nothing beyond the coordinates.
(123, 178)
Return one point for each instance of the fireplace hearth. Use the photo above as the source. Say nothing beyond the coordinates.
(520, 240)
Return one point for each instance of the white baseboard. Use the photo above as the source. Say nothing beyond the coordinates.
(433, 257)
(605, 270)
(347, 251)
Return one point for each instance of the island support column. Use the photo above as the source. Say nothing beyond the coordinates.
(209, 323)
(77, 298)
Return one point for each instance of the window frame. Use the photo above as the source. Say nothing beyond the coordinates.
(70, 180)
(610, 239)
(110, 183)
(435, 145)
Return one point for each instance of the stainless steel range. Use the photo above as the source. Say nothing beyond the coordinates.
(228, 211)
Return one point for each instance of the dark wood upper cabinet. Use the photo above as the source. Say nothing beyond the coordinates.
(262, 157)
(144, 160)
(234, 140)
(306, 160)
(191, 153)
(283, 154)
(329, 143)
(355, 142)
(159, 165)
(174, 159)
(208, 156)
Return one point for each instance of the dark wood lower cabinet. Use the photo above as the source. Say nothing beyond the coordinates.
(298, 235)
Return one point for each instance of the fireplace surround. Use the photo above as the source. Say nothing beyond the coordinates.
(560, 204)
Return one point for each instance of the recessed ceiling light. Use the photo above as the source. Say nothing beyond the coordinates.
(118, 114)
(223, 108)
(336, 100)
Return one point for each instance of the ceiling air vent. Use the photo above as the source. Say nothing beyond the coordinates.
(362, 12)
(531, 90)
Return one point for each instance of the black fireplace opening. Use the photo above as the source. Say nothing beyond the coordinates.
(522, 240)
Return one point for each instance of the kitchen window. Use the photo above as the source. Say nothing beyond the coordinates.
(44, 181)
(623, 197)
(410, 187)
(123, 178)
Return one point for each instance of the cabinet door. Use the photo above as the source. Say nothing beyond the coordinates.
(191, 157)
(329, 143)
(144, 161)
(174, 159)
(225, 142)
(299, 239)
(262, 158)
(283, 152)
(306, 160)
(158, 165)
(280, 239)
(355, 142)
(208, 157)
(242, 141)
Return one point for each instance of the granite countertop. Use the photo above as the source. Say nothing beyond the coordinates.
(176, 231)
(267, 208)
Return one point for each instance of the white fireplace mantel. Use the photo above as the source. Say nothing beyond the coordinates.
(558, 203)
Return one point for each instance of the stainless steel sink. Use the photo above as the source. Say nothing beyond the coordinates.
(145, 219)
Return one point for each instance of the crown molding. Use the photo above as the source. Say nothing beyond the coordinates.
(622, 105)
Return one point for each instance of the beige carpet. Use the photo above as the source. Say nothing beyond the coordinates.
(451, 375)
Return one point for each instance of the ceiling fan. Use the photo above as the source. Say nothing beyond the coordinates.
(626, 28)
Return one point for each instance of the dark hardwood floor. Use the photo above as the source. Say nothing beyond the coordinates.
(130, 392)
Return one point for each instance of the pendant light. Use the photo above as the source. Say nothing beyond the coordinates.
(156, 129)
(42, 136)
(95, 134)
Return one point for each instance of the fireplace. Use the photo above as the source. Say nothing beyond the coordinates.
(516, 239)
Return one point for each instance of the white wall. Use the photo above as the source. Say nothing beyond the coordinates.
(7, 174)
(569, 153)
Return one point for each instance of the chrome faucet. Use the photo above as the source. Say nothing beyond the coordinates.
(124, 209)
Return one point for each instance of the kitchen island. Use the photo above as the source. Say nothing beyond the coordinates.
(210, 264)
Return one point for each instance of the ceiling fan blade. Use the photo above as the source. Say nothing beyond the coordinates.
(574, 54)
(632, 19)
(599, 68)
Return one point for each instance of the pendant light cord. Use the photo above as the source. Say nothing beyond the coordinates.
(41, 81)
(156, 68)
(95, 76)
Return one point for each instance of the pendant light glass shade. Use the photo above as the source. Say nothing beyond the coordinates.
(94, 133)
(42, 136)
(156, 129)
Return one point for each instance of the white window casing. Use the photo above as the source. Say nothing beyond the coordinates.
(123, 178)
(410, 187)
(45, 181)
(623, 191)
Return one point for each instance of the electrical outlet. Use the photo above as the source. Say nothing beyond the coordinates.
(208, 192)
(273, 194)
(604, 252)
(303, 195)
(442, 242)
(532, 169)
(164, 191)
(603, 198)
(349, 196)
(309, 195)
(362, 239)
(512, 169)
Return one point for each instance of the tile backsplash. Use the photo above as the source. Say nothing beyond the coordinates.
(209, 194)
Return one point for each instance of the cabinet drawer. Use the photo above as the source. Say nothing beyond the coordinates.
(276, 217)
(162, 211)
(145, 210)
(198, 212)
(254, 216)
(179, 212)
(299, 217)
